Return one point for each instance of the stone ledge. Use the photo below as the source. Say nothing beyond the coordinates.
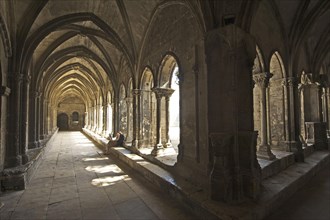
(17, 178)
(275, 189)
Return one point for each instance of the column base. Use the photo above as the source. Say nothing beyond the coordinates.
(154, 152)
(1, 204)
(264, 152)
(25, 159)
(33, 145)
(13, 161)
(296, 148)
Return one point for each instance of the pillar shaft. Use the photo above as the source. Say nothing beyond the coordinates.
(262, 81)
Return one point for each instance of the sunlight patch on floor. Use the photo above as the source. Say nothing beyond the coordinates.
(108, 181)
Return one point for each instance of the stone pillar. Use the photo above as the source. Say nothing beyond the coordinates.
(167, 94)
(25, 118)
(327, 98)
(129, 121)
(294, 144)
(325, 106)
(5, 92)
(286, 84)
(262, 81)
(33, 142)
(159, 95)
(105, 121)
(100, 120)
(235, 174)
(13, 157)
(136, 117)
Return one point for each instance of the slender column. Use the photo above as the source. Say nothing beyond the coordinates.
(262, 80)
(294, 144)
(286, 84)
(25, 119)
(158, 144)
(86, 120)
(33, 121)
(128, 125)
(136, 117)
(168, 94)
(100, 120)
(90, 116)
(38, 117)
(105, 121)
(327, 98)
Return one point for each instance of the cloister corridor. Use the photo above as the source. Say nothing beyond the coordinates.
(76, 181)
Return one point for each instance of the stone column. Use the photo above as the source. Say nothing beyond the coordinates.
(128, 106)
(33, 142)
(327, 98)
(167, 94)
(294, 144)
(235, 172)
(159, 95)
(287, 116)
(25, 118)
(262, 81)
(13, 157)
(105, 121)
(136, 117)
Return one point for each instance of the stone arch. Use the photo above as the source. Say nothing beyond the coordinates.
(147, 109)
(169, 79)
(276, 105)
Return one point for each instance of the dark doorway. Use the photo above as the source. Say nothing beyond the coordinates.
(62, 122)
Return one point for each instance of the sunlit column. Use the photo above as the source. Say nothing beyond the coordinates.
(129, 121)
(168, 93)
(262, 80)
(100, 120)
(105, 121)
(136, 117)
(158, 144)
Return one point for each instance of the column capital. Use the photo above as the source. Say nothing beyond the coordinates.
(37, 94)
(163, 92)
(5, 91)
(136, 92)
(262, 79)
(289, 81)
(129, 100)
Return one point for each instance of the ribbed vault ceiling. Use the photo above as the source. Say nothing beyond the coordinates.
(80, 47)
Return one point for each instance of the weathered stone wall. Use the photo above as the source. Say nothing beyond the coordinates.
(276, 113)
(69, 106)
(175, 30)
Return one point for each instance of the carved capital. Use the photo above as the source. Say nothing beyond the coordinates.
(262, 79)
(37, 94)
(5, 91)
(163, 92)
(289, 81)
(136, 92)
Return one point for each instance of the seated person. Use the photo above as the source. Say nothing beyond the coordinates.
(116, 140)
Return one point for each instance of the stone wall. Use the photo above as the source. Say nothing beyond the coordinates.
(69, 106)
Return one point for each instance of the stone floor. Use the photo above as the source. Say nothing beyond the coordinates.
(76, 181)
(311, 202)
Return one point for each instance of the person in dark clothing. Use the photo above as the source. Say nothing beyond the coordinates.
(116, 140)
